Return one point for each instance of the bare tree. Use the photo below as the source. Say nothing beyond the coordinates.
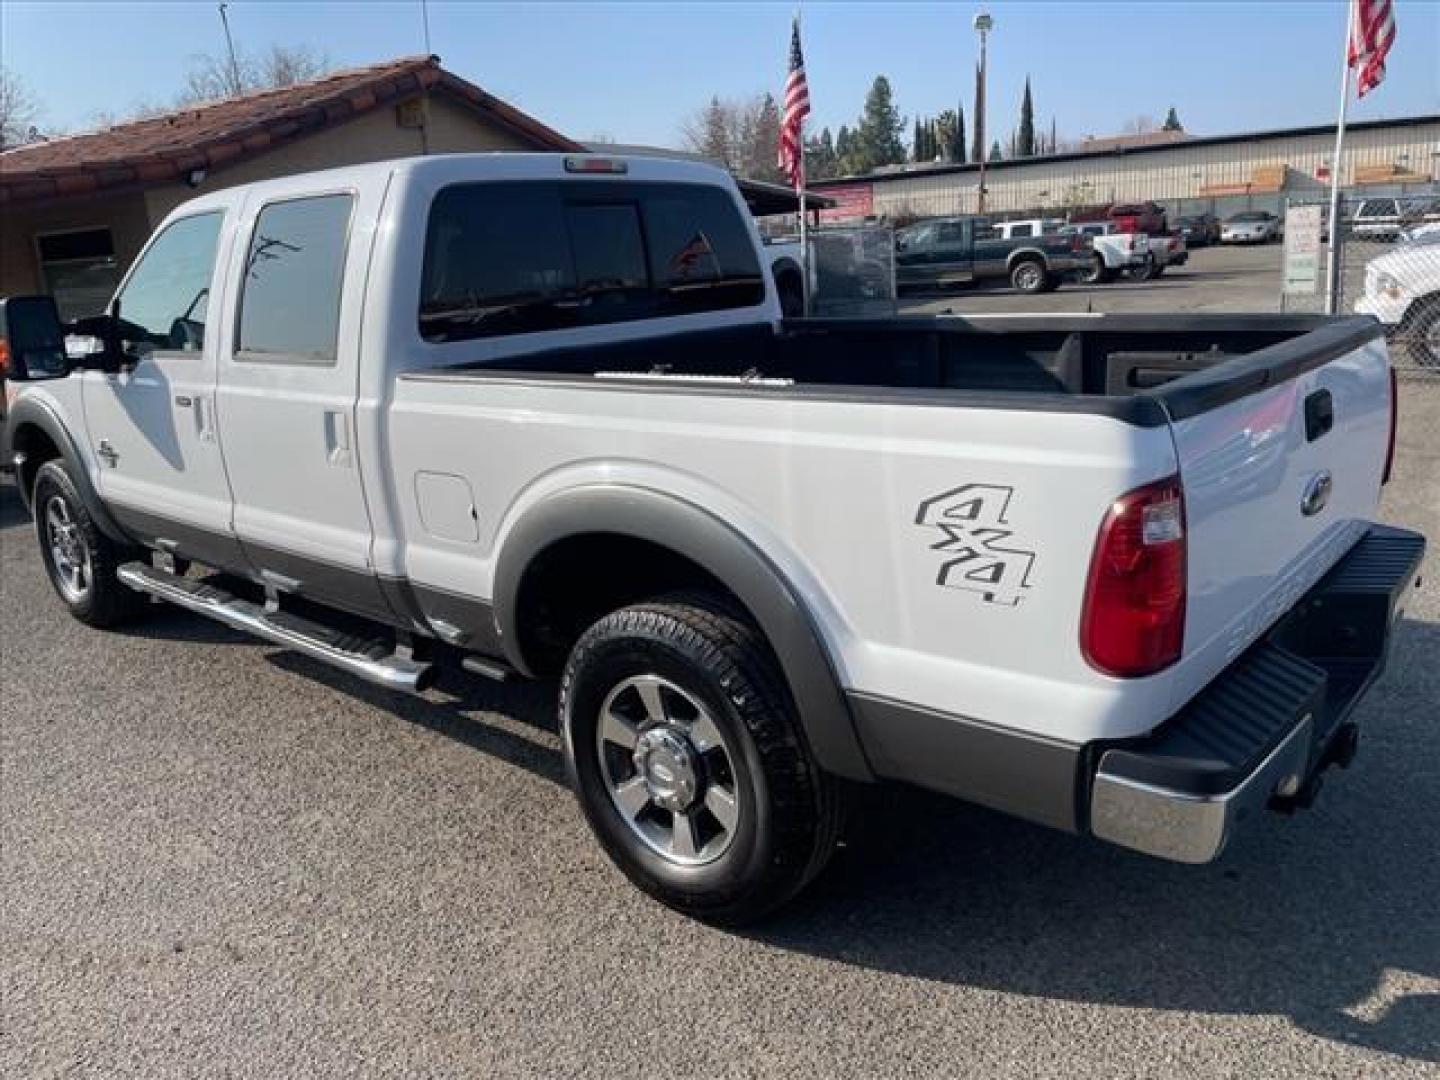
(18, 110)
(213, 77)
(1140, 125)
(744, 135)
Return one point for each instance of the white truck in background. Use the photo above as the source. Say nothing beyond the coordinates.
(537, 416)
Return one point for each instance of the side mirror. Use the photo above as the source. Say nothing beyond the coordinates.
(32, 339)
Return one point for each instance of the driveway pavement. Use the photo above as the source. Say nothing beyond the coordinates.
(217, 859)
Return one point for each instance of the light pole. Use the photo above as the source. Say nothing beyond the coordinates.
(983, 25)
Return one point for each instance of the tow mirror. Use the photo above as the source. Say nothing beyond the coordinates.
(32, 339)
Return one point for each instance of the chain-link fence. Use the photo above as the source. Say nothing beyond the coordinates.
(1388, 250)
(853, 271)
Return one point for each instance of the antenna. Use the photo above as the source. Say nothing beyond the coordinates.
(425, 21)
(235, 88)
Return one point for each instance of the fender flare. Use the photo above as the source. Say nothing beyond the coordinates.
(716, 546)
(32, 411)
(1027, 253)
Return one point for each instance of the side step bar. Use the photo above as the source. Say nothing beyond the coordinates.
(373, 661)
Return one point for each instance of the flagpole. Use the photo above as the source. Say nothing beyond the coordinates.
(800, 190)
(1332, 264)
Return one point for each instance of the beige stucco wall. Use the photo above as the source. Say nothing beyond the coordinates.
(375, 136)
(124, 215)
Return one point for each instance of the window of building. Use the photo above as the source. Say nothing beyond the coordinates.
(164, 301)
(294, 270)
(518, 258)
(79, 269)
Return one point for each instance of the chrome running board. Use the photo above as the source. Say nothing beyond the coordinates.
(371, 660)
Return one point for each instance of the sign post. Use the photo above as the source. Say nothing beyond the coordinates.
(1303, 226)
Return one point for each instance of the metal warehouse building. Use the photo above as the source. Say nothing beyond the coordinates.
(1217, 174)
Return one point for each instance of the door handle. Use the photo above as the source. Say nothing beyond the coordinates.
(107, 453)
(337, 438)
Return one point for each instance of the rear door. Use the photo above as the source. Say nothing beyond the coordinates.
(152, 426)
(287, 393)
(1278, 485)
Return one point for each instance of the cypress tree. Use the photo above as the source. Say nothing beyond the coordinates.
(1025, 140)
(957, 148)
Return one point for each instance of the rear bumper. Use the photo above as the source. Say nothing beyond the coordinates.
(1264, 730)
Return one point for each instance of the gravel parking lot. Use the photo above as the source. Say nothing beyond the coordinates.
(217, 859)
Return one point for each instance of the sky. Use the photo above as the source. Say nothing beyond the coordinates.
(633, 72)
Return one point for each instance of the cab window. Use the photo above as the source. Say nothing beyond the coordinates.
(163, 303)
(294, 269)
(514, 258)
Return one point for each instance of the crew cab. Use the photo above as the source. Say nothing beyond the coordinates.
(944, 252)
(537, 416)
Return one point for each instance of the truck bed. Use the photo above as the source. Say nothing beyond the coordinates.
(1128, 366)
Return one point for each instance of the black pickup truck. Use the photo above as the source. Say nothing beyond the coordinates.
(943, 252)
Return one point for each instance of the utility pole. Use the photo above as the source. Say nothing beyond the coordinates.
(235, 88)
(983, 25)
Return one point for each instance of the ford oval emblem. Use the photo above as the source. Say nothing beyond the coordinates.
(1316, 494)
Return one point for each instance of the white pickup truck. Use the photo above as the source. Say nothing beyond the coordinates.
(520, 415)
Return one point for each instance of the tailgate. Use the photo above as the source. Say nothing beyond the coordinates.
(1281, 455)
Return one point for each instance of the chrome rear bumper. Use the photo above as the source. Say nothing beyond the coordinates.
(1266, 728)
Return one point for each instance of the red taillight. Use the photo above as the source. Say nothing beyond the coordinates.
(610, 166)
(1394, 419)
(5, 359)
(1133, 622)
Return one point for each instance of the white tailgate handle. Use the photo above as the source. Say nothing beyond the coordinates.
(337, 438)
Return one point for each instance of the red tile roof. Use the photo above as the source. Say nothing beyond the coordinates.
(165, 148)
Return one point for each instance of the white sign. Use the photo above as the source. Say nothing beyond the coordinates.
(1303, 225)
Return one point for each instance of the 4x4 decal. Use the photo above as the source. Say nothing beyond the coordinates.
(972, 522)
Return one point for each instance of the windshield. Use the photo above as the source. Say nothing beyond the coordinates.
(1253, 215)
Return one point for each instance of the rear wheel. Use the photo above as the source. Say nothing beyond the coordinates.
(687, 757)
(80, 560)
(1029, 276)
(1420, 333)
(1097, 273)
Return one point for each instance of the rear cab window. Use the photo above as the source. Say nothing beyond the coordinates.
(513, 258)
(294, 270)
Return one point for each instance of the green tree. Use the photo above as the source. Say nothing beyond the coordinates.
(917, 142)
(944, 128)
(820, 158)
(1172, 121)
(995, 154)
(1025, 138)
(878, 135)
(957, 144)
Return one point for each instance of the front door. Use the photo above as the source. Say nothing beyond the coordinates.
(287, 395)
(152, 426)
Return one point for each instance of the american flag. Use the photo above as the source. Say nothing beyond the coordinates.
(1372, 32)
(797, 107)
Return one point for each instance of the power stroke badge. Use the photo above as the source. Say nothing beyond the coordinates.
(973, 525)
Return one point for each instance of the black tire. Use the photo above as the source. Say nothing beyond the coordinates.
(1418, 334)
(1098, 273)
(1029, 276)
(791, 294)
(95, 597)
(789, 811)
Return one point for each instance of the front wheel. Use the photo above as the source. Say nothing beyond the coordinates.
(686, 754)
(79, 559)
(1029, 276)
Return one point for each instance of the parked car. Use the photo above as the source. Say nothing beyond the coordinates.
(538, 416)
(1386, 218)
(1199, 230)
(945, 252)
(1112, 253)
(1402, 290)
(1250, 227)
